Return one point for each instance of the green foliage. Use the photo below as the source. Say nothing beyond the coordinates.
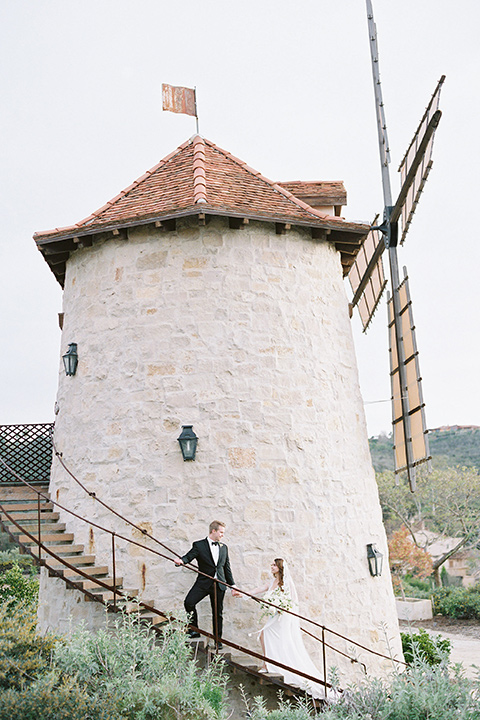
(453, 447)
(12, 556)
(123, 672)
(23, 654)
(423, 692)
(16, 587)
(414, 587)
(286, 710)
(5, 541)
(50, 698)
(151, 678)
(381, 451)
(458, 602)
(423, 646)
(448, 501)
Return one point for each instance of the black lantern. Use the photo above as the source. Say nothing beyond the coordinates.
(188, 442)
(375, 560)
(70, 359)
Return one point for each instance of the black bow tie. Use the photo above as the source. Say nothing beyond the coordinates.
(214, 542)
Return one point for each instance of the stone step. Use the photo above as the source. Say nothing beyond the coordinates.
(93, 586)
(267, 677)
(152, 618)
(108, 597)
(91, 570)
(59, 550)
(32, 516)
(48, 539)
(20, 494)
(72, 560)
(31, 527)
(14, 507)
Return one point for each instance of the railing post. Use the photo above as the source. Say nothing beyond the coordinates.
(39, 531)
(324, 662)
(114, 573)
(215, 619)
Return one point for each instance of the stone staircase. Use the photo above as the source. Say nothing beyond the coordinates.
(22, 505)
(23, 508)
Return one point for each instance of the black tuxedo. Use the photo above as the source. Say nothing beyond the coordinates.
(203, 586)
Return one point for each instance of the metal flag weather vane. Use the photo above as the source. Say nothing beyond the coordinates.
(180, 100)
(368, 280)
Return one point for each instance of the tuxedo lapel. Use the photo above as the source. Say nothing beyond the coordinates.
(208, 551)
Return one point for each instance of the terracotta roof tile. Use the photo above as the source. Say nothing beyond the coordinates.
(326, 192)
(199, 172)
(199, 178)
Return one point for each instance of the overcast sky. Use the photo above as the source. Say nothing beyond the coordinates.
(285, 86)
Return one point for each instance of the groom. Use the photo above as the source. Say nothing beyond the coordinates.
(212, 559)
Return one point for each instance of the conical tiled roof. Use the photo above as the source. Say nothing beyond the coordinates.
(197, 178)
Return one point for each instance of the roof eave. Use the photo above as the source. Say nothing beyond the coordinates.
(57, 246)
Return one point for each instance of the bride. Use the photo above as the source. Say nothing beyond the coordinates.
(281, 637)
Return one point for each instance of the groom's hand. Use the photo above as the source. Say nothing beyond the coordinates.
(236, 593)
(178, 561)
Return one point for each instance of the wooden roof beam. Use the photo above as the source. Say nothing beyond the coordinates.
(235, 223)
(59, 259)
(347, 249)
(281, 228)
(320, 233)
(166, 225)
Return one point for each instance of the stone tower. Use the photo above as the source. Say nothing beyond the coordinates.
(205, 294)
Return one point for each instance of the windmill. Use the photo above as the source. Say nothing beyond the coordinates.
(367, 277)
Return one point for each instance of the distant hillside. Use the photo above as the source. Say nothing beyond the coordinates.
(453, 445)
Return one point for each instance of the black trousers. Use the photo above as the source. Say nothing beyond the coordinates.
(193, 598)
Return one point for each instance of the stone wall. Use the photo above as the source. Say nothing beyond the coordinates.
(245, 334)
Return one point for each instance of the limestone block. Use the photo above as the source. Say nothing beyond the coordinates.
(241, 457)
(151, 260)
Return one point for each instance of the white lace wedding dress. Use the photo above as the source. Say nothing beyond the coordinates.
(283, 641)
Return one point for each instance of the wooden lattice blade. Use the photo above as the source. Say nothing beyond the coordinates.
(367, 277)
(417, 163)
(409, 425)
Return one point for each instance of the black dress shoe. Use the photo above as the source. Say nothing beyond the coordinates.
(220, 646)
(192, 634)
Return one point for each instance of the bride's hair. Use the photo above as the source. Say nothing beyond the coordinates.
(279, 563)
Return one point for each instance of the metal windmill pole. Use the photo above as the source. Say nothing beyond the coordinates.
(390, 233)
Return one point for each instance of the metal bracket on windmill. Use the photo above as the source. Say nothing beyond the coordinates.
(367, 275)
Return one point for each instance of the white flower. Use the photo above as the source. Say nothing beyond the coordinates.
(278, 597)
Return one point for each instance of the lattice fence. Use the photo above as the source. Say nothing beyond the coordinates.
(27, 449)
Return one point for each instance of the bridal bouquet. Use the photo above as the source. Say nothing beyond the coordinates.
(280, 598)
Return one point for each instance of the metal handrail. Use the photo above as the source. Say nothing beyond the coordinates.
(157, 553)
(115, 607)
(192, 567)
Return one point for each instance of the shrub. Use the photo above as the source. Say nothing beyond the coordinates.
(416, 587)
(151, 678)
(23, 655)
(456, 602)
(431, 650)
(423, 691)
(16, 587)
(420, 693)
(9, 557)
(48, 698)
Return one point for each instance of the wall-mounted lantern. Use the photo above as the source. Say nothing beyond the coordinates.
(188, 442)
(70, 359)
(375, 560)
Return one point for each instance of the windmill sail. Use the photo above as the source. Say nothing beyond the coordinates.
(409, 429)
(367, 277)
(417, 161)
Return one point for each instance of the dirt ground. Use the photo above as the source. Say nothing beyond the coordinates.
(464, 636)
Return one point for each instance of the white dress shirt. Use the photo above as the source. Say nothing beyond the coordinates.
(215, 550)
